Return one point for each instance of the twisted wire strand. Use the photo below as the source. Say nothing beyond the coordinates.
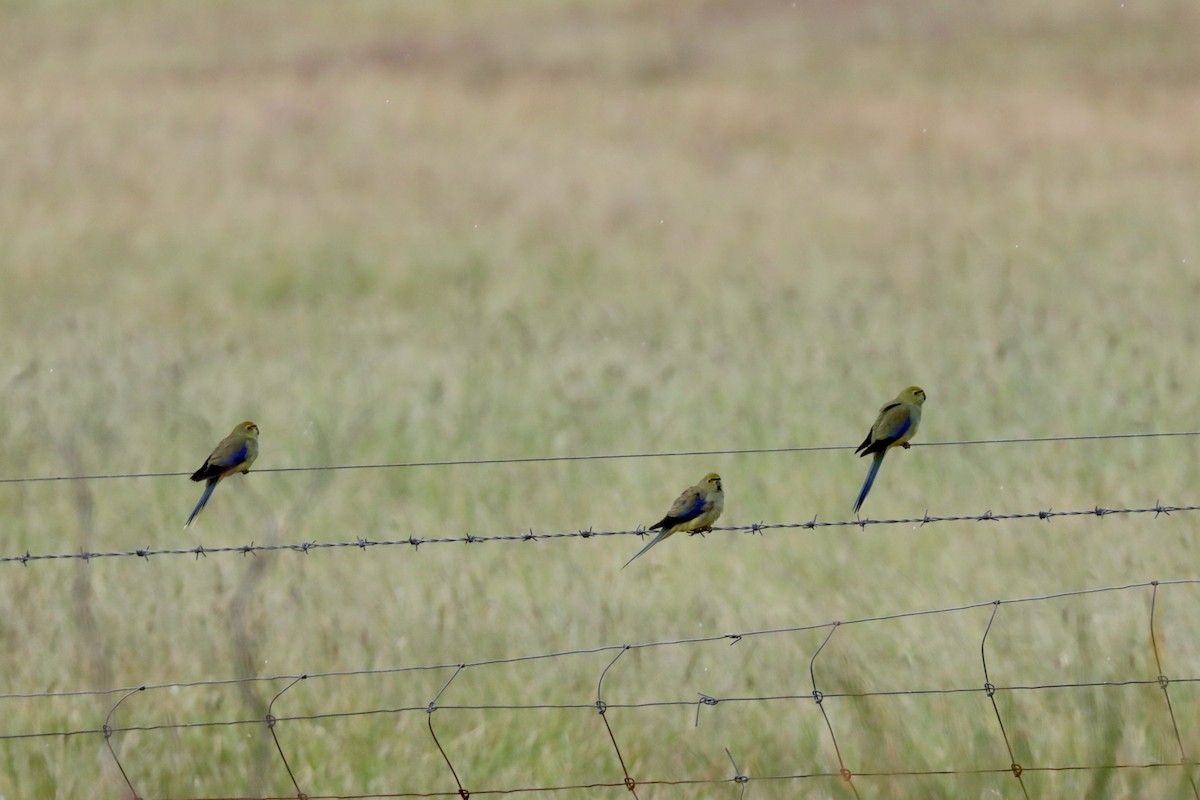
(1158, 509)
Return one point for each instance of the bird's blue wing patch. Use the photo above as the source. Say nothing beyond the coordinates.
(901, 429)
(236, 457)
(692, 511)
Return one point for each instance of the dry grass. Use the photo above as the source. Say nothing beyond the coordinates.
(402, 232)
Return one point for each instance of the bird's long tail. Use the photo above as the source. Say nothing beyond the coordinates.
(208, 490)
(866, 487)
(662, 535)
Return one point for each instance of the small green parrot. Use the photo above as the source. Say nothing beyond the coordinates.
(694, 510)
(896, 425)
(234, 454)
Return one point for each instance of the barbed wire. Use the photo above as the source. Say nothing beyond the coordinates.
(1158, 509)
(282, 726)
(607, 456)
(848, 768)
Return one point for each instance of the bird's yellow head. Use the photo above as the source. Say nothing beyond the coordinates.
(913, 394)
(713, 480)
(248, 427)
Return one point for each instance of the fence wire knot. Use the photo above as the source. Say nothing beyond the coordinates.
(738, 777)
(270, 721)
(601, 706)
(846, 773)
(1016, 769)
(990, 689)
(818, 695)
(1163, 680)
(630, 783)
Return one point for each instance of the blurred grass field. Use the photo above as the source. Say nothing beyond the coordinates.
(395, 232)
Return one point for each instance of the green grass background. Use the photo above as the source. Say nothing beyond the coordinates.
(417, 231)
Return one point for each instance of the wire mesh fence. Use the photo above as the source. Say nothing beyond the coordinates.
(872, 706)
(861, 702)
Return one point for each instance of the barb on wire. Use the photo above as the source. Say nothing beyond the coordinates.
(738, 451)
(360, 543)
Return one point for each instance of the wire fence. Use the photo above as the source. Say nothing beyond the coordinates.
(845, 760)
(849, 767)
(361, 543)
(519, 460)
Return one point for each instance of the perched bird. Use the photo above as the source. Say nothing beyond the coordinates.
(694, 510)
(234, 454)
(896, 424)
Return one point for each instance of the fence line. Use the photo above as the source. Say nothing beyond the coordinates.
(987, 689)
(283, 729)
(1158, 509)
(609, 456)
(738, 779)
(732, 638)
